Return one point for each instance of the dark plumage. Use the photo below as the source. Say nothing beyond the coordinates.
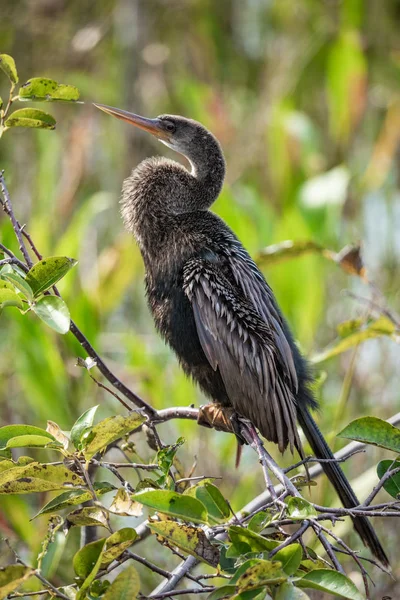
(211, 303)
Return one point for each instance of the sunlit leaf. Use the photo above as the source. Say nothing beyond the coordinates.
(379, 327)
(31, 117)
(87, 517)
(174, 504)
(117, 543)
(32, 441)
(56, 432)
(7, 64)
(40, 88)
(73, 497)
(36, 477)
(124, 505)
(82, 425)
(47, 272)
(216, 505)
(298, 508)
(261, 573)
(260, 521)
(9, 274)
(11, 578)
(54, 312)
(11, 431)
(392, 485)
(125, 586)
(8, 297)
(330, 581)
(192, 540)
(109, 430)
(372, 430)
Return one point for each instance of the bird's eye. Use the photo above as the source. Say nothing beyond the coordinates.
(169, 126)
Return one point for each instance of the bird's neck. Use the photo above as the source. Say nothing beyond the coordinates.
(207, 175)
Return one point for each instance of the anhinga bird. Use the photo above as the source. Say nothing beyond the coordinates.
(211, 303)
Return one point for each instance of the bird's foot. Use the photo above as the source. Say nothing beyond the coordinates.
(221, 418)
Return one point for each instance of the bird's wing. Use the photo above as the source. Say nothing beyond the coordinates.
(237, 342)
(257, 291)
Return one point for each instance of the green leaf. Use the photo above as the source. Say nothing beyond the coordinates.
(372, 430)
(225, 591)
(7, 64)
(54, 312)
(87, 517)
(260, 521)
(261, 573)
(85, 559)
(89, 562)
(192, 540)
(73, 497)
(254, 542)
(300, 509)
(8, 297)
(174, 504)
(31, 117)
(17, 280)
(216, 505)
(36, 477)
(379, 327)
(11, 431)
(125, 586)
(165, 459)
(32, 441)
(392, 485)
(109, 430)
(48, 272)
(117, 543)
(40, 88)
(11, 577)
(22, 461)
(290, 557)
(327, 580)
(287, 591)
(82, 425)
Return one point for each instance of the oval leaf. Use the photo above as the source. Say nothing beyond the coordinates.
(216, 505)
(18, 282)
(109, 430)
(174, 504)
(47, 272)
(287, 591)
(10, 431)
(85, 559)
(7, 64)
(31, 117)
(40, 88)
(37, 477)
(327, 580)
(290, 557)
(81, 425)
(392, 485)
(117, 543)
(11, 577)
(32, 441)
(298, 508)
(92, 566)
(372, 430)
(192, 540)
(8, 297)
(125, 586)
(263, 572)
(54, 312)
(74, 497)
(249, 541)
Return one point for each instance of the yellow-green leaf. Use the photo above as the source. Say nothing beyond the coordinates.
(125, 586)
(40, 88)
(73, 497)
(117, 543)
(8, 297)
(327, 580)
(53, 311)
(31, 117)
(10, 431)
(300, 509)
(7, 64)
(109, 430)
(36, 477)
(122, 504)
(372, 430)
(48, 272)
(174, 504)
(11, 578)
(87, 517)
(32, 441)
(192, 540)
(263, 572)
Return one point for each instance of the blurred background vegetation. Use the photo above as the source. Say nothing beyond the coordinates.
(304, 97)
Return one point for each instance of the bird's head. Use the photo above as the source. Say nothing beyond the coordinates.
(174, 131)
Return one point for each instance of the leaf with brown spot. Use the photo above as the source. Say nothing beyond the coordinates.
(192, 540)
(109, 430)
(37, 477)
(124, 505)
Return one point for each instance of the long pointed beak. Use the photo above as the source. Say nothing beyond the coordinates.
(150, 125)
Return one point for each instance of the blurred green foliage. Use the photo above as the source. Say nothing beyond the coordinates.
(304, 98)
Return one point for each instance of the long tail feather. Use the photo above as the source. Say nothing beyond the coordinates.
(340, 483)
